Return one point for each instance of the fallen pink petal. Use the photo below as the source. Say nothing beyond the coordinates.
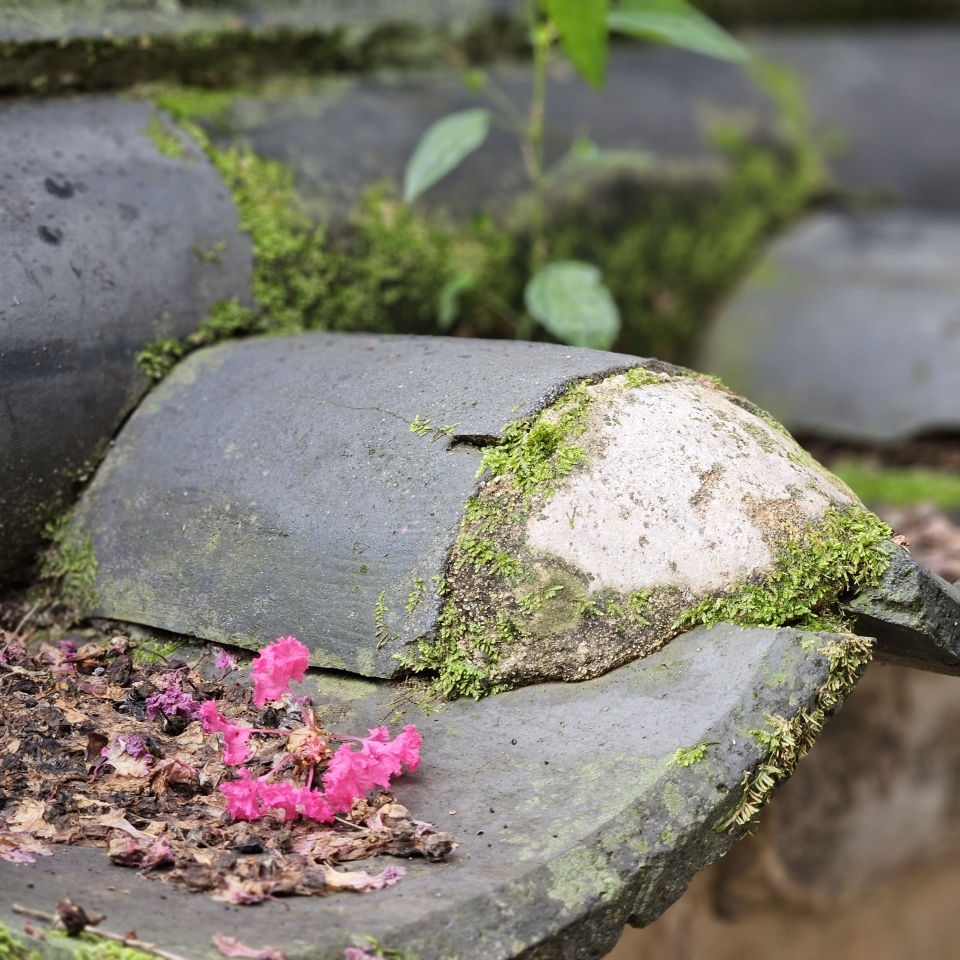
(172, 702)
(224, 661)
(235, 737)
(232, 947)
(275, 666)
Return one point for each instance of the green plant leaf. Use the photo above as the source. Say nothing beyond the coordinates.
(676, 23)
(585, 156)
(583, 34)
(568, 297)
(448, 303)
(442, 148)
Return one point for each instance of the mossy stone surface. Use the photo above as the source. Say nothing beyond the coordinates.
(106, 240)
(913, 614)
(492, 513)
(572, 816)
(274, 486)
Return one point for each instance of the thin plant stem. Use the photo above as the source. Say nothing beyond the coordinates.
(541, 35)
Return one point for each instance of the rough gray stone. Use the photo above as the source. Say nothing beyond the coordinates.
(107, 245)
(913, 614)
(274, 486)
(571, 816)
(849, 327)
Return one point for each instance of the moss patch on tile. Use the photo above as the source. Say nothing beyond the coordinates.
(787, 740)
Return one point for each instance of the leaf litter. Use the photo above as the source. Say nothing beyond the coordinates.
(197, 778)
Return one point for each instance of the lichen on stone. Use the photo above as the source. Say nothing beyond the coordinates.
(69, 565)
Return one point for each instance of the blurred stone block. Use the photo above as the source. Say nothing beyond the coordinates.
(857, 855)
(849, 327)
(105, 245)
(888, 97)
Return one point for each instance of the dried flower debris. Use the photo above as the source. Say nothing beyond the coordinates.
(191, 776)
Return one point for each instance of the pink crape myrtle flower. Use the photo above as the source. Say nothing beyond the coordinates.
(242, 802)
(353, 772)
(275, 666)
(172, 702)
(235, 737)
(225, 661)
(252, 799)
(350, 775)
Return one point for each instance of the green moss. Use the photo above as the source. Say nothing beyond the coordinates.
(157, 359)
(416, 594)
(423, 428)
(842, 552)
(155, 651)
(95, 948)
(11, 948)
(641, 377)
(70, 565)
(449, 657)
(899, 486)
(86, 946)
(688, 756)
(788, 740)
(164, 139)
(537, 452)
(234, 55)
(381, 631)
(669, 253)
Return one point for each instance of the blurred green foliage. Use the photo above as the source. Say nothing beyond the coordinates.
(899, 486)
(669, 250)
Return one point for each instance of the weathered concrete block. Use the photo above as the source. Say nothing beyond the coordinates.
(274, 486)
(341, 139)
(849, 327)
(886, 94)
(106, 245)
(913, 614)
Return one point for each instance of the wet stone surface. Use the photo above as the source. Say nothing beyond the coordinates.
(572, 820)
(108, 245)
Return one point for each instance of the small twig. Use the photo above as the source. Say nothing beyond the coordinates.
(356, 826)
(106, 934)
(25, 618)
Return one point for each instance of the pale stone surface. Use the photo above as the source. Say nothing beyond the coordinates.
(680, 494)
